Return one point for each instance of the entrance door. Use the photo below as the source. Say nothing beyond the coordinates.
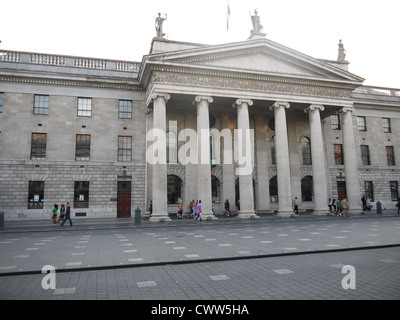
(124, 199)
(341, 188)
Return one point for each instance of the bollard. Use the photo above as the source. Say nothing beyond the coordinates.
(379, 207)
(138, 215)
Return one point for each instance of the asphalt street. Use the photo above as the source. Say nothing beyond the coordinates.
(228, 259)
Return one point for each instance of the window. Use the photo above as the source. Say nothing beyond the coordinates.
(41, 104)
(1, 101)
(365, 155)
(124, 149)
(338, 154)
(215, 189)
(273, 189)
(174, 189)
(362, 125)
(81, 194)
(125, 109)
(369, 190)
(386, 125)
(335, 122)
(38, 145)
(394, 190)
(172, 147)
(82, 150)
(36, 195)
(273, 150)
(390, 156)
(84, 107)
(306, 150)
(307, 189)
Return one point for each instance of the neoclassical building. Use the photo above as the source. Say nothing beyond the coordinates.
(253, 121)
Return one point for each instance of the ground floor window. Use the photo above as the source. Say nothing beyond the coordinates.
(174, 189)
(394, 190)
(307, 189)
(81, 194)
(215, 190)
(36, 195)
(273, 189)
(369, 190)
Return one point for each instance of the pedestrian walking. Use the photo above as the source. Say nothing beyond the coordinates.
(330, 205)
(192, 209)
(67, 215)
(338, 206)
(180, 210)
(398, 207)
(364, 203)
(345, 206)
(62, 213)
(54, 213)
(334, 206)
(227, 208)
(198, 212)
(295, 206)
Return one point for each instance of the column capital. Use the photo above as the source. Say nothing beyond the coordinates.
(347, 109)
(239, 102)
(313, 107)
(156, 95)
(197, 99)
(279, 104)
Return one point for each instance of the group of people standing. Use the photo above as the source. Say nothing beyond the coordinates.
(65, 214)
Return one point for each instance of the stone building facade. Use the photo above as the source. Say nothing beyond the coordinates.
(110, 136)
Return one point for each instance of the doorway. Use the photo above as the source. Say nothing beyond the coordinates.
(124, 199)
(341, 188)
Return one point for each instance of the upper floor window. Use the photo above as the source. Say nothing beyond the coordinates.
(84, 107)
(362, 124)
(306, 150)
(38, 145)
(82, 150)
(172, 147)
(41, 104)
(124, 149)
(390, 156)
(338, 154)
(365, 155)
(125, 109)
(386, 125)
(335, 122)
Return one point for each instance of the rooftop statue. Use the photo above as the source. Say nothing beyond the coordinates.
(341, 52)
(255, 19)
(159, 25)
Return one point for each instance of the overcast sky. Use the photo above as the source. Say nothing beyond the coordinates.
(123, 29)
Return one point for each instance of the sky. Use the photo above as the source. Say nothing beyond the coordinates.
(123, 29)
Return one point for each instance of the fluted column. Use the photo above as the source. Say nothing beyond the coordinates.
(350, 161)
(282, 159)
(203, 147)
(245, 165)
(318, 160)
(159, 167)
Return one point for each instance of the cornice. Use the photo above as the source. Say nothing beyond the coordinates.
(71, 83)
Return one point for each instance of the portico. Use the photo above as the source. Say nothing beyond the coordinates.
(222, 83)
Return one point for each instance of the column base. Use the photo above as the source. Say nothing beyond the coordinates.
(209, 216)
(247, 215)
(285, 214)
(159, 218)
(320, 212)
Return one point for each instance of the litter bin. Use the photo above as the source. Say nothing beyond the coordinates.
(138, 215)
(1, 219)
(379, 207)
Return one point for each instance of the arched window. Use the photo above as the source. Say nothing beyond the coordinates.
(172, 147)
(174, 189)
(307, 189)
(273, 150)
(273, 189)
(215, 189)
(306, 150)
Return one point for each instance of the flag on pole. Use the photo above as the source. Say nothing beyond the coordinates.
(227, 18)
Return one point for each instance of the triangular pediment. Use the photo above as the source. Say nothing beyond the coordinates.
(262, 57)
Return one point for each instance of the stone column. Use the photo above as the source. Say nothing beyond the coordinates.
(160, 201)
(203, 150)
(282, 159)
(245, 169)
(318, 160)
(350, 162)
